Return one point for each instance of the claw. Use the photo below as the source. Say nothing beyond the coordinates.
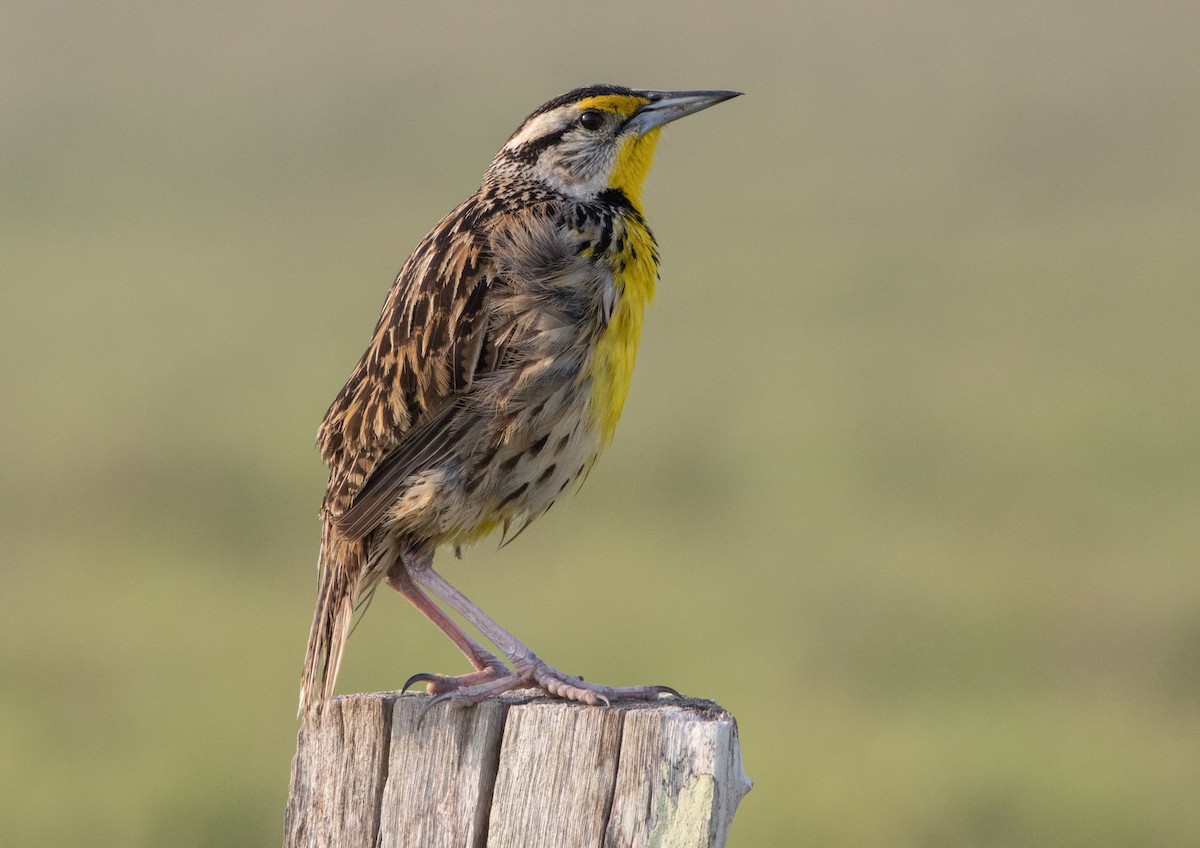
(416, 678)
(434, 700)
(666, 690)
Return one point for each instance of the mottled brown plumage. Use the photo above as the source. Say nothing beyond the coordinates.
(494, 377)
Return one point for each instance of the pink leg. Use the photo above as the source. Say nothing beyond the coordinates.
(529, 670)
(488, 666)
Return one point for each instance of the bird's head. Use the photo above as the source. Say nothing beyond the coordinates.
(593, 139)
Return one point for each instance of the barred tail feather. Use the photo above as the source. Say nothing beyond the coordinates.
(341, 566)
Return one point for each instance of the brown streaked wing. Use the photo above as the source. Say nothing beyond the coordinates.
(423, 445)
(424, 352)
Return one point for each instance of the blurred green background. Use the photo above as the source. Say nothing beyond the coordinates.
(909, 477)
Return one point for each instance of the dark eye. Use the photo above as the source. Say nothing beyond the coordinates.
(591, 120)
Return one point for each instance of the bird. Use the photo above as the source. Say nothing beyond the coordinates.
(493, 380)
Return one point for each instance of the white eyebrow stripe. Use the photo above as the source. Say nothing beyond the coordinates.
(539, 126)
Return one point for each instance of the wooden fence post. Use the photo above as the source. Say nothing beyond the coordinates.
(516, 772)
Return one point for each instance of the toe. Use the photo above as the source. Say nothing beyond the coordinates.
(431, 679)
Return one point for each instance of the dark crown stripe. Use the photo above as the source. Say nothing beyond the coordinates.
(580, 94)
(573, 97)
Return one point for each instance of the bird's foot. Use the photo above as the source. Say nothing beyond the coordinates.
(532, 673)
(442, 684)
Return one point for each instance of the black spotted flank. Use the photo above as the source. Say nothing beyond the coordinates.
(509, 464)
(513, 495)
(472, 482)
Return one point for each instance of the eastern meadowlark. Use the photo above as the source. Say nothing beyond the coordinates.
(494, 379)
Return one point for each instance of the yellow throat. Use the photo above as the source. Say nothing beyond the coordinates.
(635, 271)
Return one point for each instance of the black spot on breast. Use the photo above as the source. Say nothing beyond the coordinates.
(537, 446)
(547, 474)
(606, 235)
(614, 198)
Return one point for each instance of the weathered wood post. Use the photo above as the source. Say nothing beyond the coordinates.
(515, 772)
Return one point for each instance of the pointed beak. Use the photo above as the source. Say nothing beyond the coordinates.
(667, 106)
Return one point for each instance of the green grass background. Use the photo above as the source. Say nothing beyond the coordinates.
(909, 476)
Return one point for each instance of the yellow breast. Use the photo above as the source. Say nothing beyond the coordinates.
(635, 271)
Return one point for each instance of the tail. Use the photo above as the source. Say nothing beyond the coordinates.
(341, 566)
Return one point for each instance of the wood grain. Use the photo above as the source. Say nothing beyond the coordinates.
(521, 770)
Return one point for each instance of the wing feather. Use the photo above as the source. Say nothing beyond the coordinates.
(397, 407)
